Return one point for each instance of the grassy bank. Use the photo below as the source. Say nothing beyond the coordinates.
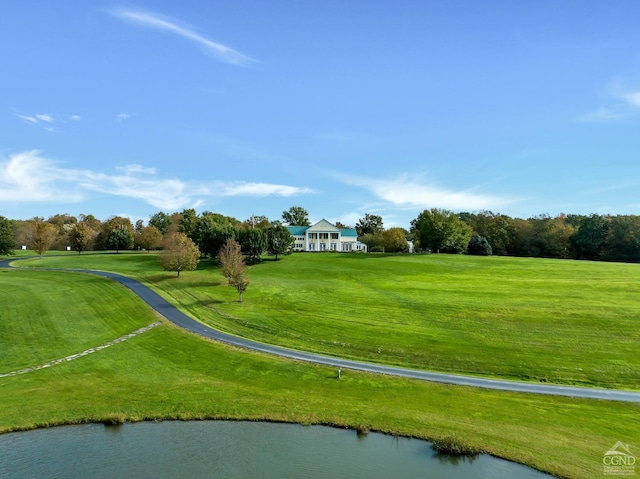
(168, 373)
(517, 318)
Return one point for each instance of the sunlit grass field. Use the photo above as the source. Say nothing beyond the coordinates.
(168, 373)
(565, 322)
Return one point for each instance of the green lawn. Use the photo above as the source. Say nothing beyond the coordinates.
(565, 322)
(168, 373)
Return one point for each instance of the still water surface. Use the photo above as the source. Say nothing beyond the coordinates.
(222, 449)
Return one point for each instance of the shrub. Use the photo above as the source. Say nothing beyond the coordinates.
(478, 245)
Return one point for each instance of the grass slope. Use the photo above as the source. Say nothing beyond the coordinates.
(564, 322)
(168, 373)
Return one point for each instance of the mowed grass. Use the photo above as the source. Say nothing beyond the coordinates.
(85, 315)
(564, 322)
(167, 373)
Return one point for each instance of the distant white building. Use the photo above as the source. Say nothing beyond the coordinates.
(323, 236)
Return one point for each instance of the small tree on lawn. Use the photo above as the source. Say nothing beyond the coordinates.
(179, 253)
(241, 283)
(80, 236)
(231, 260)
(119, 238)
(42, 235)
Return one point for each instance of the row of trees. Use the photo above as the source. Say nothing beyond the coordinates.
(208, 231)
(592, 237)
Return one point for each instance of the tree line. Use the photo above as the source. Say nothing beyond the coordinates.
(589, 237)
(209, 231)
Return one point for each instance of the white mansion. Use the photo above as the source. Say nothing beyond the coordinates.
(323, 236)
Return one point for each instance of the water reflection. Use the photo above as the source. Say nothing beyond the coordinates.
(234, 450)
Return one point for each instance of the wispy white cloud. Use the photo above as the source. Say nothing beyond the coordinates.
(405, 191)
(29, 176)
(620, 101)
(123, 116)
(171, 25)
(260, 189)
(45, 120)
(603, 114)
(633, 99)
(35, 119)
(44, 117)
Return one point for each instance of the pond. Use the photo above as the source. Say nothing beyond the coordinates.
(230, 449)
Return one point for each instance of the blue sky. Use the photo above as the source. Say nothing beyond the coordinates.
(341, 107)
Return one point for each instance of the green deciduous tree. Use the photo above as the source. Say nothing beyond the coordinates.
(120, 237)
(189, 223)
(101, 239)
(279, 240)
(623, 239)
(373, 242)
(253, 243)
(590, 238)
(6, 236)
(161, 221)
(296, 216)
(441, 231)
(370, 224)
(179, 253)
(212, 231)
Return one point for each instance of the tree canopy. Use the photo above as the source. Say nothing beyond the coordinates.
(6, 236)
(80, 236)
(296, 216)
(120, 237)
(42, 235)
(279, 240)
(149, 238)
(441, 231)
(370, 224)
(179, 253)
(161, 221)
(394, 240)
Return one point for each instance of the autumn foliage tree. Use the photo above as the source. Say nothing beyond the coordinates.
(233, 267)
(231, 259)
(80, 236)
(42, 235)
(179, 253)
(149, 238)
(394, 240)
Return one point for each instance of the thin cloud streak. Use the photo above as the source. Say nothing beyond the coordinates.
(410, 192)
(167, 24)
(28, 176)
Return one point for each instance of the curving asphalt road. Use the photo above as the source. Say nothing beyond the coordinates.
(172, 314)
